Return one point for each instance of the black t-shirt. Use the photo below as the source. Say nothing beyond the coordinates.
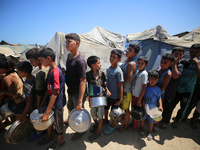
(75, 69)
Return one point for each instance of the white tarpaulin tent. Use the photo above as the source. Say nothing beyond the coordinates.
(154, 43)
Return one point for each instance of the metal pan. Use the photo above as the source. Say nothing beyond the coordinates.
(98, 101)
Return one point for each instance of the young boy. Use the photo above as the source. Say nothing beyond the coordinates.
(152, 97)
(24, 70)
(170, 91)
(139, 85)
(75, 77)
(40, 85)
(187, 82)
(56, 91)
(96, 87)
(128, 69)
(115, 86)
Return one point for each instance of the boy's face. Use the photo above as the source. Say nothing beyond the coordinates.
(152, 81)
(165, 63)
(3, 70)
(34, 62)
(141, 65)
(21, 74)
(71, 44)
(194, 53)
(178, 54)
(97, 65)
(44, 61)
(114, 58)
(130, 52)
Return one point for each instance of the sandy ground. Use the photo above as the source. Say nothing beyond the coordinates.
(183, 138)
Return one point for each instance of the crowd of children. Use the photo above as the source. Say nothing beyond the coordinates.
(176, 80)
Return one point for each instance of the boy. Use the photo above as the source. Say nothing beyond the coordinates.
(96, 87)
(187, 82)
(56, 91)
(152, 97)
(75, 77)
(170, 91)
(24, 70)
(128, 69)
(40, 85)
(139, 85)
(115, 86)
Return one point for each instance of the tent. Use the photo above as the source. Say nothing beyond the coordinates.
(153, 42)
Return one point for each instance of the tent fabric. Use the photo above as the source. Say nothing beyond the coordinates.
(153, 42)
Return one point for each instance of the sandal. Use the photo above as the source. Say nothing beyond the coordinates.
(142, 132)
(77, 136)
(109, 130)
(55, 146)
(149, 137)
(93, 137)
(45, 140)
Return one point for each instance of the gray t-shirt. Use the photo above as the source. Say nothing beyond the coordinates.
(113, 77)
(126, 86)
(139, 79)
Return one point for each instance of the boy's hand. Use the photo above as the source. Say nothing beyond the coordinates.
(139, 103)
(87, 98)
(160, 108)
(143, 104)
(108, 93)
(175, 60)
(23, 117)
(44, 117)
(79, 107)
(195, 59)
(118, 103)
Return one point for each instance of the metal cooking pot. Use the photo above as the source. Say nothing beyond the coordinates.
(37, 122)
(79, 121)
(18, 131)
(98, 101)
(117, 115)
(137, 113)
(5, 112)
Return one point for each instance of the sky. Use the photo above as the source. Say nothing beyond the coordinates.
(37, 21)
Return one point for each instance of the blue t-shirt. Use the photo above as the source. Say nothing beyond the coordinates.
(152, 95)
(55, 80)
(113, 77)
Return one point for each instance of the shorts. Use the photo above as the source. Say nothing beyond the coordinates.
(134, 101)
(16, 108)
(149, 119)
(97, 112)
(111, 102)
(126, 101)
(72, 102)
(58, 123)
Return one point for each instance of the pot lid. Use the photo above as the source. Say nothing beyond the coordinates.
(79, 121)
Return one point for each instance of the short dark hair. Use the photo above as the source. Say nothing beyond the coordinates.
(73, 36)
(117, 52)
(195, 46)
(33, 53)
(45, 52)
(168, 56)
(136, 47)
(6, 63)
(25, 66)
(144, 58)
(153, 73)
(179, 49)
(92, 60)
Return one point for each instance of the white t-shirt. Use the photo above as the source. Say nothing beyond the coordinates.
(140, 78)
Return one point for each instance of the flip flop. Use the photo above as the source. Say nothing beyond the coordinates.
(109, 130)
(149, 137)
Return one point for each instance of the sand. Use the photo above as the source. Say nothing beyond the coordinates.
(183, 138)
